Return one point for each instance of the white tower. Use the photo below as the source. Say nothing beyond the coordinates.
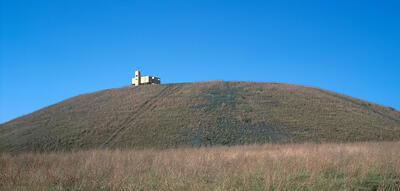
(137, 79)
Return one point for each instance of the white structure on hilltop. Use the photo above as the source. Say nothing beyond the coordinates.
(143, 80)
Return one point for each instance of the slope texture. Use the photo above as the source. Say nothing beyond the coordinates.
(200, 114)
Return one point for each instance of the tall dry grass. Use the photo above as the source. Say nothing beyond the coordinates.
(358, 166)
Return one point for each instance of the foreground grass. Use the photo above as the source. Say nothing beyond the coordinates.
(359, 166)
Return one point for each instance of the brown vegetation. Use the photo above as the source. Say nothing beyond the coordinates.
(198, 115)
(357, 166)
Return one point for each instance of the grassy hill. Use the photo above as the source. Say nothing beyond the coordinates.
(200, 114)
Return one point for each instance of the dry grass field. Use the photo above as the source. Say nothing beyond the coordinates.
(352, 166)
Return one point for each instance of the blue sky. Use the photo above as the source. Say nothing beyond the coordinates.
(51, 50)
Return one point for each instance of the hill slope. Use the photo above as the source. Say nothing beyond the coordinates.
(199, 114)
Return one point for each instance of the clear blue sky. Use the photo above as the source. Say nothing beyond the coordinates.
(51, 50)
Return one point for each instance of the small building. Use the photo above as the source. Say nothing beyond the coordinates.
(143, 80)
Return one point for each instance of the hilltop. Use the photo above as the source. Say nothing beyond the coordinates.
(200, 114)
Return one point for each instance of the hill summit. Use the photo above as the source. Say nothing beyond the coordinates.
(200, 114)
